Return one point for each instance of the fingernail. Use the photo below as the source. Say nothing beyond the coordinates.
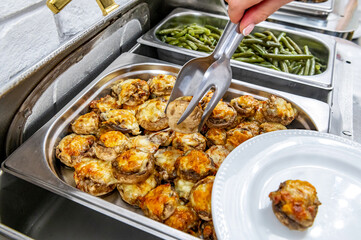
(248, 29)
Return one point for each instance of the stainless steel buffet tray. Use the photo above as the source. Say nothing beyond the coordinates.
(320, 45)
(323, 8)
(35, 160)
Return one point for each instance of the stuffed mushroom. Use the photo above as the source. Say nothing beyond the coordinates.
(131, 92)
(151, 115)
(276, 109)
(86, 124)
(161, 85)
(200, 198)
(165, 162)
(191, 141)
(121, 120)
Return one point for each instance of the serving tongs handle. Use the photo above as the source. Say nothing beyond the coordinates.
(229, 41)
(227, 45)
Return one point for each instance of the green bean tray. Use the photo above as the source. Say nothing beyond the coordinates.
(271, 49)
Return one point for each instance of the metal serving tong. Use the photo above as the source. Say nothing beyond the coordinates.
(201, 74)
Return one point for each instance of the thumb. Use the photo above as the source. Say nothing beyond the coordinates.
(259, 13)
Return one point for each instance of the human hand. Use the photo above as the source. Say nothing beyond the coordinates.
(257, 11)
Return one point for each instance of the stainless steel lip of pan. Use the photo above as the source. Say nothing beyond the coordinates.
(35, 162)
(323, 8)
(322, 46)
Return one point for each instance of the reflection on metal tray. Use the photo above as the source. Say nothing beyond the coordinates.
(322, 46)
(35, 160)
(310, 7)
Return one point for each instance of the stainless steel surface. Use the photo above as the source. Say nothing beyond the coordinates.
(199, 75)
(212, 6)
(75, 72)
(45, 171)
(323, 8)
(12, 95)
(320, 45)
(341, 22)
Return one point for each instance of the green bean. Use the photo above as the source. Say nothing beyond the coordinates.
(215, 36)
(259, 35)
(181, 33)
(296, 69)
(294, 45)
(272, 36)
(252, 41)
(243, 54)
(174, 42)
(250, 60)
(214, 29)
(284, 66)
(275, 62)
(312, 67)
(203, 47)
(268, 65)
(301, 71)
(287, 44)
(258, 49)
(193, 39)
(192, 44)
(271, 44)
(288, 57)
(168, 31)
(308, 62)
(168, 39)
(280, 36)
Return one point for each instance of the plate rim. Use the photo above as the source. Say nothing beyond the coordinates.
(219, 220)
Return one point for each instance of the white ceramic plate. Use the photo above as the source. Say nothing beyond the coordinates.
(241, 207)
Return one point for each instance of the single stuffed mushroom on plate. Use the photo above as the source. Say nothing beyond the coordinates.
(295, 204)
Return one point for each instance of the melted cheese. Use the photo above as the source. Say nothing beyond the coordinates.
(183, 187)
(223, 112)
(201, 196)
(217, 153)
(133, 161)
(216, 136)
(152, 110)
(105, 104)
(195, 161)
(86, 124)
(161, 84)
(142, 143)
(113, 138)
(191, 141)
(132, 92)
(122, 118)
(182, 219)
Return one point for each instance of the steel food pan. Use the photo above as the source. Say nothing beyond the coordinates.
(35, 160)
(311, 7)
(320, 45)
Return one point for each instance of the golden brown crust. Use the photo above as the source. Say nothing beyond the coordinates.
(222, 116)
(194, 165)
(217, 153)
(163, 138)
(94, 176)
(183, 188)
(186, 142)
(207, 231)
(216, 136)
(183, 218)
(246, 105)
(161, 85)
(73, 147)
(277, 109)
(176, 109)
(104, 104)
(270, 127)
(133, 166)
(160, 203)
(151, 115)
(200, 198)
(165, 161)
(143, 143)
(131, 92)
(133, 193)
(86, 124)
(295, 204)
(121, 120)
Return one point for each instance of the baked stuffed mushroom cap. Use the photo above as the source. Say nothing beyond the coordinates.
(295, 204)
(133, 193)
(194, 165)
(104, 104)
(246, 105)
(200, 198)
(277, 109)
(186, 142)
(94, 176)
(121, 120)
(165, 162)
(217, 153)
(271, 127)
(222, 116)
(160, 203)
(163, 138)
(110, 145)
(207, 231)
(183, 218)
(133, 166)
(151, 115)
(176, 109)
(161, 85)
(86, 124)
(73, 147)
(216, 136)
(131, 92)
